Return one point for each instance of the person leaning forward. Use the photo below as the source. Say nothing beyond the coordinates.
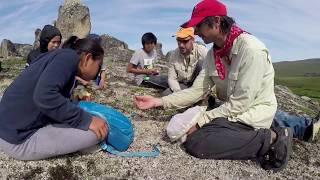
(240, 67)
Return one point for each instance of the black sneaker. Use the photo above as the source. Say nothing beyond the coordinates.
(278, 155)
(312, 133)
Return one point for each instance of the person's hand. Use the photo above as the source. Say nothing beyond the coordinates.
(102, 85)
(99, 127)
(147, 102)
(86, 83)
(192, 129)
(152, 71)
(82, 81)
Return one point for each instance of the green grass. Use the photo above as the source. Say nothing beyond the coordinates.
(302, 86)
(302, 77)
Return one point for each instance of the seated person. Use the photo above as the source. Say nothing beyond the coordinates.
(38, 120)
(239, 65)
(141, 64)
(99, 81)
(50, 39)
(185, 61)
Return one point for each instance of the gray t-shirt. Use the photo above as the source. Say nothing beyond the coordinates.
(143, 61)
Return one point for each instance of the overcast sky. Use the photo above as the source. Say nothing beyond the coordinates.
(289, 28)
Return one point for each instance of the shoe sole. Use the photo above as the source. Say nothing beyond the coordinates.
(289, 131)
(315, 132)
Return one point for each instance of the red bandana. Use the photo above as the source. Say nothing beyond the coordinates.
(218, 54)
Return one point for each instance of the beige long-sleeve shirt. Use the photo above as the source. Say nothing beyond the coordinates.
(247, 90)
(181, 69)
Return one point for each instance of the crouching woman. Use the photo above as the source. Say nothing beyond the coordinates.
(37, 119)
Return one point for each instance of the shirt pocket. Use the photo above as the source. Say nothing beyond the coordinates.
(232, 80)
(180, 71)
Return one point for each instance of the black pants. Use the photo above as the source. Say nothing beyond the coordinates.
(157, 82)
(222, 139)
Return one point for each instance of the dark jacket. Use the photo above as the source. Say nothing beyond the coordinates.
(40, 96)
(48, 32)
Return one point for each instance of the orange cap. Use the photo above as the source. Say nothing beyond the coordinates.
(185, 33)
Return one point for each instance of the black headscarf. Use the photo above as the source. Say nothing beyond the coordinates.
(48, 32)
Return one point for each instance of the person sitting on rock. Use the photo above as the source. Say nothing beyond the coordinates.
(37, 119)
(50, 39)
(142, 63)
(240, 67)
(185, 62)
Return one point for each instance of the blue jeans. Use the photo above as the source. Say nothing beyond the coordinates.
(300, 125)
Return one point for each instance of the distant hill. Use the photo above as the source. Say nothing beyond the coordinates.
(302, 68)
(302, 77)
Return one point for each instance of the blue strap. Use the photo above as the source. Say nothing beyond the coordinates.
(154, 153)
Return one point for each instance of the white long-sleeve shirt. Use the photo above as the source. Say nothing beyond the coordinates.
(247, 91)
(181, 71)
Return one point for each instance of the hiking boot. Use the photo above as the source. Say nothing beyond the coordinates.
(315, 132)
(312, 132)
(278, 155)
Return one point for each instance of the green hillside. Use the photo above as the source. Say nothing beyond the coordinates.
(302, 77)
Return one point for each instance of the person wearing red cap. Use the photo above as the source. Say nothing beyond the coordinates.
(240, 67)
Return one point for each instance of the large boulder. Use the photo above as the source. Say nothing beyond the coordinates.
(115, 50)
(73, 19)
(159, 51)
(7, 49)
(36, 42)
(23, 49)
(110, 42)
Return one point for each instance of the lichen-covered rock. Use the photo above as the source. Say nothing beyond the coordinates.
(290, 102)
(36, 42)
(7, 49)
(73, 19)
(159, 51)
(23, 49)
(115, 50)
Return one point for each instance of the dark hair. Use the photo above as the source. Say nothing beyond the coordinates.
(95, 37)
(148, 38)
(85, 45)
(225, 23)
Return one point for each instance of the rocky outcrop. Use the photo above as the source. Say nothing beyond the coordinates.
(115, 49)
(73, 19)
(23, 49)
(36, 42)
(290, 102)
(159, 51)
(8, 49)
(110, 42)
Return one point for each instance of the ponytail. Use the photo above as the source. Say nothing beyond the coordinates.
(85, 45)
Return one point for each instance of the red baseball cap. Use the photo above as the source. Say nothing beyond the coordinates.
(204, 9)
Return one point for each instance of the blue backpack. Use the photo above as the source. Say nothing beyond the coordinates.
(120, 131)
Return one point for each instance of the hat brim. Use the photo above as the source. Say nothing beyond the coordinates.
(192, 22)
(184, 38)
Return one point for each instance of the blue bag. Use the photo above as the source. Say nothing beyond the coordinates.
(120, 130)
